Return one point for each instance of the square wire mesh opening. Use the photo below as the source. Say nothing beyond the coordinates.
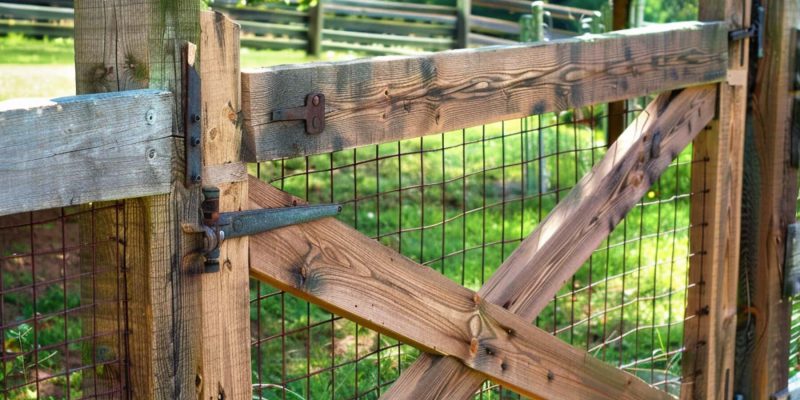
(62, 324)
(461, 202)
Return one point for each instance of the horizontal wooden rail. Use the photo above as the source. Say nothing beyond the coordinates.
(22, 11)
(82, 149)
(478, 39)
(393, 5)
(494, 26)
(389, 26)
(378, 12)
(391, 40)
(549, 256)
(392, 98)
(332, 265)
(524, 7)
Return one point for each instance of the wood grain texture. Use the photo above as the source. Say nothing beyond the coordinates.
(549, 256)
(82, 149)
(391, 98)
(136, 45)
(225, 366)
(710, 328)
(762, 369)
(332, 265)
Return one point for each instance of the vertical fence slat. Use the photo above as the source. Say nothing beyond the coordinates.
(316, 24)
(464, 10)
(616, 110)
(763, 337)
(225, 294)
(710, 328)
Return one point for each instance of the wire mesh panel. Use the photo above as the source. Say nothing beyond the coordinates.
(62, 293)
(794, 338)
(461, 202)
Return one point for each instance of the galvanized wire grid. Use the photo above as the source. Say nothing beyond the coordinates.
(61, 289)
(794, 338)
(461, 202)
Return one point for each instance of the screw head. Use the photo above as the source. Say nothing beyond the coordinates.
(151, 154)
(197, 178)
(150, 116)
(195, 117)
(315, 122)
(315, 100)
(195, 141)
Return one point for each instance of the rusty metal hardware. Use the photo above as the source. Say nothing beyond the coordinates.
(220, 226)
(313, 113)
(755, 30)
(192, 126)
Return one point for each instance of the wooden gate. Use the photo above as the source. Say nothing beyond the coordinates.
(187, 326)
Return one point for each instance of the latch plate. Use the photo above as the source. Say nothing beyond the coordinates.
(192, 125)
(313, 113)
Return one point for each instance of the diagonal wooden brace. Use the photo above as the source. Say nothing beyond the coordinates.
(541, 265)
(332, 265)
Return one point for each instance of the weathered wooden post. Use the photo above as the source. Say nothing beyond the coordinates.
(637, 16)
(316, 24)
(770, 197)
(618, 109)
(187, 331)
(464, 11)
(710, 327)
(531, 26)
(532, 30)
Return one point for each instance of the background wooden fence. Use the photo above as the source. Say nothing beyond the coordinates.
(365, 26)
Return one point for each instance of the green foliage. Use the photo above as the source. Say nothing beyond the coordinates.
(469, 179)
(670, 10)
(655, 10)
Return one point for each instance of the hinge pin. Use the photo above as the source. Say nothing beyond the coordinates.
(220, 226)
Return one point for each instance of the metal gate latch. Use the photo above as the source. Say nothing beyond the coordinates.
(313, 113)
(755, 30)
(220, 226)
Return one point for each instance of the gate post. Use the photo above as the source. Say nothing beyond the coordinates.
(225, 295)
(185, 330)
(710, 327)
(770, 197)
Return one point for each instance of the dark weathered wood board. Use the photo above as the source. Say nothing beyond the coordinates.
(82, 149)
(391, 98)
(549, 256)
(335, 266)
(716, 215)
(770, 195)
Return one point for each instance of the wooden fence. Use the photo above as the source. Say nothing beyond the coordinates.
(365, 26)
(166, 123)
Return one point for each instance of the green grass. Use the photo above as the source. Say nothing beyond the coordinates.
(644, 259)
(33, 68)
(643, 262)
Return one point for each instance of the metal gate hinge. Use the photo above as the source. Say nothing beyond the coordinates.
(220, 226)
(755, 30)
(192, 126)
(313, 113)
